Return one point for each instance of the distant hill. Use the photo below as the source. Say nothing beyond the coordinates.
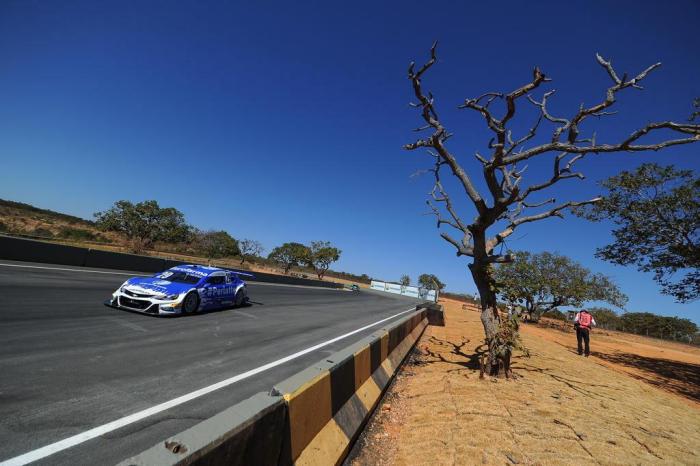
(25, 219)
(8, 206)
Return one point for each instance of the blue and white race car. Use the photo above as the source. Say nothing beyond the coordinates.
(184, 289)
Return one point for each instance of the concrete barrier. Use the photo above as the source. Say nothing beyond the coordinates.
(251, 432)
(19, 249)
(285, 279)
(120, 261)
(310, 418)
(329, 404)
(436, 315)
(27, 250)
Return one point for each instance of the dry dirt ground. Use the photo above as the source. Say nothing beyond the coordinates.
(634, 401)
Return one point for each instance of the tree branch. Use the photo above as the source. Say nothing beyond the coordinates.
(461, 249)
(543, 110)
(618, 85)
(500, 170)
(537, 78)
(554, 212)
(624, 146)
(440, 135)
(558, 175)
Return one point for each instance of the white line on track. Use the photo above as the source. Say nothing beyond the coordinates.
(131, 274)
(69, 442)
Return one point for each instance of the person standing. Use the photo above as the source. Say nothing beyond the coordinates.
(583, 322)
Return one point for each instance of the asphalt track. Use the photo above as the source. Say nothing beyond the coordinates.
(68, 364)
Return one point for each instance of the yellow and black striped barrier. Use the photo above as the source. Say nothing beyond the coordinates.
(328, 404)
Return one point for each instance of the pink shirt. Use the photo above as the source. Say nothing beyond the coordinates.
(593, 324)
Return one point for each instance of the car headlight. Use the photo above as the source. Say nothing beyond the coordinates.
(171, 297)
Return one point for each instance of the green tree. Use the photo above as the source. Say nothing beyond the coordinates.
(546, 281)
(290, 255)
(320, 256)
(144, 223)
(216, 244)
(606, 318)
(652, 325)
(505, 199)
(405, 280)
(430, 282)
(647, 323)
(555, 314)
(250, 248)
(657, 213)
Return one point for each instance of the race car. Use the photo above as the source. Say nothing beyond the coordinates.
(184, 289)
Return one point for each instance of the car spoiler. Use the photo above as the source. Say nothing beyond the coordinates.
(244, 274)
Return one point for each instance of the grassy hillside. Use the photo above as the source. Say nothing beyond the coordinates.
(24, 219)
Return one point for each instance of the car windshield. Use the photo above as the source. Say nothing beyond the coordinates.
(180, 277)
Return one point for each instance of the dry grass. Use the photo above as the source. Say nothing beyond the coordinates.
(563, 408)
(670, 366)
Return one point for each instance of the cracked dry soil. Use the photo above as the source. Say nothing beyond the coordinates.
(562, 409)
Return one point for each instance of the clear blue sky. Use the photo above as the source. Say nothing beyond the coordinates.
(284, 122)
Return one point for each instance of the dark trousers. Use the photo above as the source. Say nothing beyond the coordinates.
(583, 334)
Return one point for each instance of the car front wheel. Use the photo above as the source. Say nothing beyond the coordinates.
(190, 303)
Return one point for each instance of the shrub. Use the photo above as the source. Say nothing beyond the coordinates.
(555, 314)
(39, 231)
(77, 234)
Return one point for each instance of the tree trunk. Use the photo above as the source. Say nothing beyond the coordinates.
(498, 352)
(535, 314)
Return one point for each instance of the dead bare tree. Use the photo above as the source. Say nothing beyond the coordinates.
(507, 203)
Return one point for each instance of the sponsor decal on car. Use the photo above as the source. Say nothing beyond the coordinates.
(214, 292)
(162, 282)
(192, 271)
(147, 288)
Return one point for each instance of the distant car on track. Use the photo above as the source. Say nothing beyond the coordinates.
(184, 289)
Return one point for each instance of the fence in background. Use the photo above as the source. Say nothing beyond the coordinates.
(412, 291)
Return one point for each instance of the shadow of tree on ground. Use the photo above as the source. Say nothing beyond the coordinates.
(679, 377)
(432, 356)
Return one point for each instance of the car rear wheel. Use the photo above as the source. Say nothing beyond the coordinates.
(239, 299)
(190, 303)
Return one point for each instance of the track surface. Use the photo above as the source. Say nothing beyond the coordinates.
(69, 364)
